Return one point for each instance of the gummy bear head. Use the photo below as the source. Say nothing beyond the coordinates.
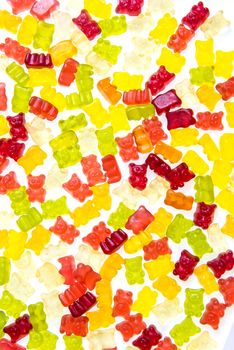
(36, 182)
(125, 142)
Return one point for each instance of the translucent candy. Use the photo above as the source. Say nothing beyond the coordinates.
(167, 311)
(186, 91)
(64, 27)
(52, 305)
(90, 257)
(216, 238)
(213, 25)
(203, 341)
(55, 178)
(19, 286)
(48, 275)
(38, 131)
(101, 339)
(88, 142)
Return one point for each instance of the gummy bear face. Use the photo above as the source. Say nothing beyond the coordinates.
(125, 142)
(17, 195)
(36, 182)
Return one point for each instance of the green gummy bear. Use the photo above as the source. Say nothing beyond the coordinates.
(68, 156)
(54, 208)
(5, 270)
(197, 241)
(107, 51)
(17, 73)
(37, 317)
(136, 112)
(178, 228)
(182, 332)
(74, 122)
(19, 200)
(44, 340)
(134, 272)
(28, 221)
(201, 75)
(11, 305)
(44, 36)
(113, 26)
(3, 320)
(73, 101)
(194, 305)
(20, 99)
(64, 140)
(204, 189)
(84, 81)
(73, 342)
(119, 218)
(106, 141)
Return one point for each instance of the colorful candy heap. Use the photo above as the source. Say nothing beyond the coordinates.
(88, 152)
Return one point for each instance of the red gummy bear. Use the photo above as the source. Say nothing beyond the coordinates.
(209, 121)
(137, 178)
(72, 293)
(122, 303)
(166, 344)
(11, 149)
(150, 337)
(139, 220)
(86, 275)
(19, 329)
(166, 101)
(128, 150)
(78, 190)
(68, 71)
(14, 50)
(137, 97)
(204, 214)
(179, 41)
(92, 170)
(35, 190)
(42, 9)
(158, 165)
(129, 7)
(68, 267)
(114, 242)
(87, 25)
(213, 312)
(179, 175)
(77, 326)
(17, 128)
(3, 97)
(20, 5)
(226, 89)
(8, 182)
(156, 248)
(154, 128)
(226, 287)
(184, 267)
(159, 80)
(42, 108)
(224, 262)
(3, 163)
(38, 60)
(6, 344)
(98, 234)
(65, 231)
(83, 304)
(130, 327)
(181, 118)
(197, 15)
(111, 168)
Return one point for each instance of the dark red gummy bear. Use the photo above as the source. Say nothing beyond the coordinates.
(38, 60)
(139, 220)
(226, 287)
(114, 242)
(137, 178)
(122, 303)
(111, 168)
(98, 234)
(224, 262)
(6, 344)
(179, 175)
(72, 293)
(213, 312)
(87, 25)
(226, 89)
(154, 128)
(159, 80)
(166, 101)
(156, 248)
(181, 118)
(129, 7)
(19, 329)
(83, 304)
(158, 165)
(77, 326)
(150, 337)
(68, 267)
(11, 149)
(204, 214)
(184, 267)
(65, 231)
(196, 17)
(17, 128)
(130, 327)
(85, 274)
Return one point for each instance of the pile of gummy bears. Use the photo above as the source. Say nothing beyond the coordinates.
(116, 185)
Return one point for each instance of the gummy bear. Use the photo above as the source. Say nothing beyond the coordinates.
(184, 267)
(213, 312)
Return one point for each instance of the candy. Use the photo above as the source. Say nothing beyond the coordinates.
(197, 241)
(113, 26)
(229, 107)
(216, 238)
(12, 306)
(20, 6)
(85, 275)
(150, 336)
(14, 50)
(194, 305)
(102, 339)
(206, 279)
(27, 30)
(19, 329)
(74, 325)
(159, 267)
(227, 229)
(178, 200)
(39, 133)
(220, 173)
(225, 200)
(164, 102)
(3, 321)
(17, 128)
(129, 7)
(195, 162)
(159, 80)
(154, 128)
(208, 96)
(135, 243)
(130, 327)
(173, 62)
(156, 248)
(184, 267)
(34, 157)
(122, 303)
(109, 91)
(224, 262)
(209, 121)
(125, 82)
(165, 344)
(213, 25)
(48, 275)
(182, 332)
(5, 270)
(72, 293)
(98, 234)
(101, 196)
(9, 22)
(107, 51)
(81, 306)
(168, 152)
(201, 75)
(41, 77)
(226, 288)
(177, 229)
(203, 341)
(42, 10)
(196, 17)
(28, 221)
(209, 147)
(7, 345)
(180, 39)
(78, 190)
(181, 118)
(74, 122)
(73, 342)
(106, 142)
(226, 89)
(20, 99)
(213, 312)
(36, 60)
(164, 29)
(53, 208)
(167, 286)
(37, 316)
(87, 25)
(167, 311)
(223, 65)
(137, 177)
(111, 168)
(204, 214)
(205, 52)
(4, 125)
(114, 242)
(44, 36)
(134, 272)
(142, 139)
(146, 299)
(118, 118)
(16, 73)
(42, 340)
(139, 220)
(68, 71)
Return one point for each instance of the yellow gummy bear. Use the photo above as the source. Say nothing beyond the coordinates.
(206, 279)
(165, 27)
(42, 77)
(137, 242)
(228, 227)
(208, 96)
(111, 266)
(225, 199)
(3, 238)
(224, 64)
(145, 301)
(27, 30)
(167, 286)
(15, 244)
(39, 239)
(226, 142)
(61, 51)
(159, 267)
(205, 52)
(162, 219)
(101, 196)
(209, 147)
(125, 81)
(104, 293)
(82, 215)
(172, 61)
(100, 319)
(196, 163)
(4, 127)
(229, 106)
(184, 137)
(56, 98)
(32, 158)
(221, 173)
(118, 118)
(9, 22)
(98, 8)
(97, 113)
